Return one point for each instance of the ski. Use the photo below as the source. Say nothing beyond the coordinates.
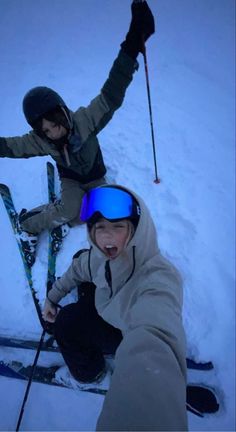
(52, 255)
(55, 240)
(14, 219)
(29, 344)
(42, 375)
(201, 400)
(16, 342)
(51, 252)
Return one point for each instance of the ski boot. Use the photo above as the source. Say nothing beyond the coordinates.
(28, 242)
(101, 382)
(57, 234)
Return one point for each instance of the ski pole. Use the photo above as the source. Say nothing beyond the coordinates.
(30, 381)
(144, 52)
(157, 180)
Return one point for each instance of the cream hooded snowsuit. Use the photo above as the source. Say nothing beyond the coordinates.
(143, 300)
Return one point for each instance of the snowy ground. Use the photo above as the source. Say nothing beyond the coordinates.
(70, 46)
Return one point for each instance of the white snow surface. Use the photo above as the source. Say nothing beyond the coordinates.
(70, 46)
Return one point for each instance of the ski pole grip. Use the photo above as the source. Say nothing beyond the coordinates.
(49, 327)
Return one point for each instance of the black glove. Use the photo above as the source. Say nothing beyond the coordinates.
(141, 28)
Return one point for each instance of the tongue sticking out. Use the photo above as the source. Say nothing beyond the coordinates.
(111, 251)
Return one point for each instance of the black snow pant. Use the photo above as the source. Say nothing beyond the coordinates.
(84, 337)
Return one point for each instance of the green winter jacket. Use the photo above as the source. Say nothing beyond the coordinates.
(144, 301)
(86, 163)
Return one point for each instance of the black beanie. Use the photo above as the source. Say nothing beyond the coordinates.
(38, 101)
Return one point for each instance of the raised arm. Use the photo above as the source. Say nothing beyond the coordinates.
(101, 109)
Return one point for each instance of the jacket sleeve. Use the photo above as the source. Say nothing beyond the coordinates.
(24, 146)
(97, 114)
(77, 272)
(148, 387)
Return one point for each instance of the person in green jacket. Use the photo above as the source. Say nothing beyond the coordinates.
(70, 138)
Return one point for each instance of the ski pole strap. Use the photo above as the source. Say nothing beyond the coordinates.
(30, 380)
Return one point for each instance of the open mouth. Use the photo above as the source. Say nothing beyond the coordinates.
(111, 251)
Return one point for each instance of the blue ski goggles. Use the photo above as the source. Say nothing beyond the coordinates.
(110, 202)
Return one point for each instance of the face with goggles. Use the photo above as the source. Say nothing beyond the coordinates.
(111, 214)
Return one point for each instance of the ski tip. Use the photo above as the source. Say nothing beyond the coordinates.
(202, 399)
(4, 188)
(50, 165)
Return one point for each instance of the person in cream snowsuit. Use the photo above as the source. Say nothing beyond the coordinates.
(139, 293)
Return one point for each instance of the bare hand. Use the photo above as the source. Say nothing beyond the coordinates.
(49, 312)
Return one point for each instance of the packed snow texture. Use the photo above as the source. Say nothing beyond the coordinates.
(70, 46)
